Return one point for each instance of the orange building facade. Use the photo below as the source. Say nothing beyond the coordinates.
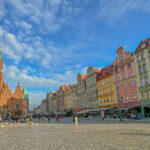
(12, 104)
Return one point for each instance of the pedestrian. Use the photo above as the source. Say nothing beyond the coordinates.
(30, 121)
(73, 118)
(43, 119)
(57, 119)
(76, 121)
(0, 119)
(49, 119)
(62, 119)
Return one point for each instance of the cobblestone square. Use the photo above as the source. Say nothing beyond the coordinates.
(67, 137)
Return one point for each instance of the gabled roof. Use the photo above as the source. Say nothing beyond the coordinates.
(140, 48)
(105, 72)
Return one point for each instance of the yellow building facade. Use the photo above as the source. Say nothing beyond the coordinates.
(106, 88)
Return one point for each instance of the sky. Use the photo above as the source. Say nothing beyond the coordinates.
(46, 43)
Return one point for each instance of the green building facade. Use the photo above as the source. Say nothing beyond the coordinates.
(142, 61)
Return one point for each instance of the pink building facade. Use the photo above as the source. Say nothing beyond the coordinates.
(60, 99)
(124, 72)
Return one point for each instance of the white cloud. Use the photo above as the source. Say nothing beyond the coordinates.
(114, 11)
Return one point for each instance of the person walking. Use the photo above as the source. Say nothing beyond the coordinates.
(30, 121)
(57, 119)
(43, 119)
(76, 121)
(49, 119)
(62, 119)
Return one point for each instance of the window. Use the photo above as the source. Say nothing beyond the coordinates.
(106, 90)
(99, 84)
(146, 80)
(132, 83)
(138, 57)
(104, 100)
(143, 56)
(111, 99)
(133, 95)
(17, 105)
(126, 96)
(109, 80)
(116, 78)
(140, 69)
(118, 88)
(110, 90)
(101, 101)
(105, 81)
(103, 91)
(125, 85)
(117, 70)
(107, 99)
(143, 45)
(122, 68)
(149, 53)
(144, 67)
(142, 82)
(130, 74)
(123, 76)
(129, 64)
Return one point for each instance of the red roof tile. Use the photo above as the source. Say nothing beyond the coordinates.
(105, 72)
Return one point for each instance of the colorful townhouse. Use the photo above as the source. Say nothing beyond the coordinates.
(106, 88)
(60, 98)
(142, 61)
(125, 79)
(50, 101)
(69, 99)
(54, 103)
(81, 92)
(91, 87)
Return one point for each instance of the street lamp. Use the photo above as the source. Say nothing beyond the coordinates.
(120, 111)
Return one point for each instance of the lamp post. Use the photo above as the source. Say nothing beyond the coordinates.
(120, 111)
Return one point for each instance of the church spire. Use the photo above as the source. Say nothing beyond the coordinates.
(25, 93)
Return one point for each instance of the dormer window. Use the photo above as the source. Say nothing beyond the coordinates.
(143, 45)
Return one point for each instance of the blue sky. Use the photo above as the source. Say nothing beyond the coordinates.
(46, 43)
